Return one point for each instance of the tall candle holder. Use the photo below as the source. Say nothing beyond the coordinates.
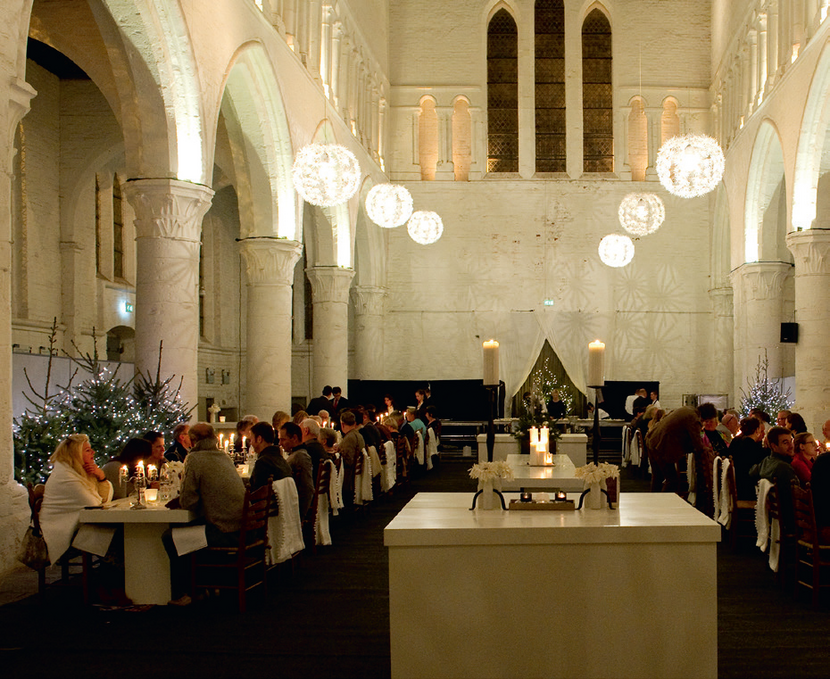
(139, 481)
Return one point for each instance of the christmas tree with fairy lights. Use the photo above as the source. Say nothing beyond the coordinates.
(764, 393)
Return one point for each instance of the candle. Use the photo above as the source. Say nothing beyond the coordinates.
(139, 469)
(491, 362)
(544, 437)
(596, 364)
(534, 436)
(152, 474)
(227, 444)
(561, 496)
(221, 440)
(243, 443)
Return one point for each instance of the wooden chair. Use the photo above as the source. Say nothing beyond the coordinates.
(210, 567)
(787, 536)
(742, 523)
(812, 546)
(321, 487)
(705, 494)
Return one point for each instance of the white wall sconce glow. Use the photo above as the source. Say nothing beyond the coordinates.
(389, 205)
(690, 165)
(641, 213)
(326, 174)
(616, 250)
(425, 227)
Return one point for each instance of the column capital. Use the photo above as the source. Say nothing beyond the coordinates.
(21, 94)
(270, 261)
(722, 300)
(330, 283)
(811, 251)
(368, 299)
(168, 208)
(761, 280)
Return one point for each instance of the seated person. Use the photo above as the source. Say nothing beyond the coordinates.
(311, 432)
(709, 417)
(133, 451)
(350, 447)
(75, 482)
(796, 424)
(746, 452)
(820, 485)
(278, 419)
(212, 488)
(415, 422)
(177, 452)
(291, 442)
(777, 467)
(433, 423)
(328, 439)
(156, 457)
(805, 451)
(243, 431)
(729, 426)
(270, 464)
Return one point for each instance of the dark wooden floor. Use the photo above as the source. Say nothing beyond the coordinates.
(331, 618)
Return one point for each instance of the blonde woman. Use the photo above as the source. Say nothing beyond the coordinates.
(75, 482)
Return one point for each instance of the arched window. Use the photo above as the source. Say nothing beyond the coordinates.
(461, 139)
(669, 121)
(550, 86)
(597, 95)
(117, 229)
(637, 141)
(502, 94)
(428, 139)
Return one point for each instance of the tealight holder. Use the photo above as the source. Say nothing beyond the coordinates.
(526, 496)
(560, 496)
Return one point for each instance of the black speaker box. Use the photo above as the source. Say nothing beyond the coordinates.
(789, 333)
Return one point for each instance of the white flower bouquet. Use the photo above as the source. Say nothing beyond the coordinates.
(592, 473)
(490, 471)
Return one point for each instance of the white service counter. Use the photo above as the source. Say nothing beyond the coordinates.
(590, 593)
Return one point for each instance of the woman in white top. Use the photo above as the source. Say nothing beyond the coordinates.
(75, 482)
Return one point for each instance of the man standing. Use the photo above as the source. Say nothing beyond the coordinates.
(291, 441)
(269, 462)
(315, 405)
(351, 446)
(213, 490)
(177, 452)
(338, 403)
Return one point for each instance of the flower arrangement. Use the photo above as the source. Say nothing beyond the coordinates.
(490, 471)
(592, 473)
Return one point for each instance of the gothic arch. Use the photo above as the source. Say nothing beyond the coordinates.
(765, 224)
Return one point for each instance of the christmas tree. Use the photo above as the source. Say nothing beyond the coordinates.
(764, 393)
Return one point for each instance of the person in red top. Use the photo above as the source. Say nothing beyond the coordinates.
(805, 451)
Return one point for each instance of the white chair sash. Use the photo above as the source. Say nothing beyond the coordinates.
(363, 481)
(387, 479)
(285, 533)
(419, 447)
(432, 447)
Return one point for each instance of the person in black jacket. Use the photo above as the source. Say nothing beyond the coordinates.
(269, 462)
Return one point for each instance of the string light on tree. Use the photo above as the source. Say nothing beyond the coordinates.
(616, 250)
(326, 174)
(690, 165)
(425, 227)
(641, 213)
(389, 205)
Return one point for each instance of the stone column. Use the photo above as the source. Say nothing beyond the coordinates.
(758, 317)
(168, 222)
(368, 336)
(14, 509)
(269, 264)
(811, 251)
(330, 355)
(723, 348)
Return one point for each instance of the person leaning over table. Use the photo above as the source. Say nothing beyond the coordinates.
(214, 491)
(676, 435)
(133, 451)
(75, 482)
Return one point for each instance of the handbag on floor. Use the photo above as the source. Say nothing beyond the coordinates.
(33, 550)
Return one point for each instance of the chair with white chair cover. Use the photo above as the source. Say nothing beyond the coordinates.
(626, 445)
(419, 448)
(285, 531)
(363, 479)
(389, 462)
(432, 443)
(321, 507)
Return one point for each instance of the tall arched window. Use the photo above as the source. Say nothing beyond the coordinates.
(428, 139)
(550, 86)
(117, 229)
(637, 140)
(597, 95)
(502, 94)
(461, 139)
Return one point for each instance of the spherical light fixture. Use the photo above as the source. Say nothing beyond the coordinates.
(326, 174)
(616, 250)
(389, 205)
(425, 227)
(641, 213)
(690, 165)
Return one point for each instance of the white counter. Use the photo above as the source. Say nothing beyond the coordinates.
(591, 593)
(504, 445)
(561, 476)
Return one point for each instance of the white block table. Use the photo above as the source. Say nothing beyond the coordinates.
(575, 446)
(505, 444)
(559, 477)
(591, 593)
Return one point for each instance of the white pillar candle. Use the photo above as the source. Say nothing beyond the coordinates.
(596, 364)
(534, 436)
(491, 362)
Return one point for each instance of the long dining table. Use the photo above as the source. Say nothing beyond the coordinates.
(146, 564)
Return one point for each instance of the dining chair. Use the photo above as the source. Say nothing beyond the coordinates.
(706, 495)
(786, 537)
(312, 520)
(812, 546)
(742, 521)
(243, 566)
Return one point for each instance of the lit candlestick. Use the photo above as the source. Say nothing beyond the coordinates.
(152, 472)
(227, 444)
(491, 362)
(221, 440)
(123, 474)
(596, 364)
(139, 469)
(243, 443)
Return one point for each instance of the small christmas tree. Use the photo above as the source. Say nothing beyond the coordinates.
(764, 393)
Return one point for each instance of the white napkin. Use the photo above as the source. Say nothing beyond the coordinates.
(189, 539)
(94, 539)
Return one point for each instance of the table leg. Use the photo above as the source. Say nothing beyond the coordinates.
(146, 564)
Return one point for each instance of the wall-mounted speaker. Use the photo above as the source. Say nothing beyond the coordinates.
(789, 333)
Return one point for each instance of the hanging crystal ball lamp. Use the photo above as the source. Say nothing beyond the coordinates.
(690, 165)
(389, 205)
(326, 174)
(641, 213)
(616, 250)
(425, 227)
